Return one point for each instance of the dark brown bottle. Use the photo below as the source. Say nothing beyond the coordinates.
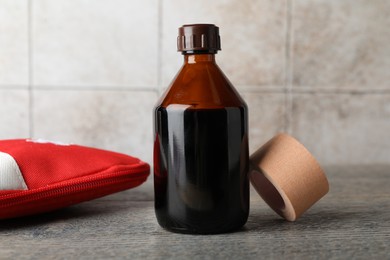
(201, 143)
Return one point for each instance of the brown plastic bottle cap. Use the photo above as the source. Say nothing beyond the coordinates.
(198, 38)
(287, 176)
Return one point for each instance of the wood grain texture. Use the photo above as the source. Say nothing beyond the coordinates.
(351, 222)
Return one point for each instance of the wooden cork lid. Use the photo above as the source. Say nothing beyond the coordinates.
(287, 176)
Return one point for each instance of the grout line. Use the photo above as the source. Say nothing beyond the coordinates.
(311, 90)
(285, 67)
(288, 70)
(240, 88)
(30, 70)
(263, 89)
(14, 87)
(308, 90)
(94, 88)
(159, 45)
(291, 64)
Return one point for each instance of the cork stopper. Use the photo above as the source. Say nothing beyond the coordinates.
(198, 38)
(287, 176)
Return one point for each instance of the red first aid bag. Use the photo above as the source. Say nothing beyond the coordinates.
(40, 176)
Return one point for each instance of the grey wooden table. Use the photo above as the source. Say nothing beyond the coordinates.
(351, 222)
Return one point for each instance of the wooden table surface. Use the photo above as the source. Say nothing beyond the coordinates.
(351, 222)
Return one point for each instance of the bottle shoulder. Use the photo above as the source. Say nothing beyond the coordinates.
(201, 85)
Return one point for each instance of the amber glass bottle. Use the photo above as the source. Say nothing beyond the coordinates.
(201, 143)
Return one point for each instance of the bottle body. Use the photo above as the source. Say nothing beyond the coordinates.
(201, 152)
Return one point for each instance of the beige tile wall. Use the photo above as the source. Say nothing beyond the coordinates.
(90, 71)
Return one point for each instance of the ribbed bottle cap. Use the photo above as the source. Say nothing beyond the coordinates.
(198, 38)
(287, 176)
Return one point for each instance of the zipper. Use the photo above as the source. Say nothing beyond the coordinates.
(134, 176)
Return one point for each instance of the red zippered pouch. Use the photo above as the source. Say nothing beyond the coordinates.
(38, 176)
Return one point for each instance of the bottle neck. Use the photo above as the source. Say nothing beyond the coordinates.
(196, 58)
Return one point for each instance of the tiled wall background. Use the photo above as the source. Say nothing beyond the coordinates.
(90, 71)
